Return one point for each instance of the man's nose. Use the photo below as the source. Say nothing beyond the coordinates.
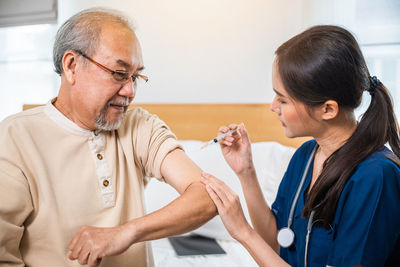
(128, 89)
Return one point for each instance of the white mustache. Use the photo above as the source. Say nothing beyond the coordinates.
(119, 102)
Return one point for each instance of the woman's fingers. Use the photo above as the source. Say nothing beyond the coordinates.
(243, 132)
(231, 139)
(233, 126)
(223, 129)
(228, 205)
(223, 192)
(215, 198)
(212, 193)
(226, 141)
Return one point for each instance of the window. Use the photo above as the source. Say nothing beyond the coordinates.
(24, 12)
(376, 25)
(26, 69)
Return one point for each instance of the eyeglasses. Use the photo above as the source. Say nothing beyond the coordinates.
(118, 75)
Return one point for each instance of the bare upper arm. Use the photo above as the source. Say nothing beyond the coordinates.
(179, 170)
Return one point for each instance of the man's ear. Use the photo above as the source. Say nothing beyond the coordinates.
(329, 110)
(69, 66)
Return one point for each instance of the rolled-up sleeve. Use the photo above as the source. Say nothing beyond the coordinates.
(153, 140)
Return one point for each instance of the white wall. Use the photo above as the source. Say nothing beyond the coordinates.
(205, 51)
(196, 51)
(372, 21)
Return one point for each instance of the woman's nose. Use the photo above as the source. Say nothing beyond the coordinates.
(275, 105)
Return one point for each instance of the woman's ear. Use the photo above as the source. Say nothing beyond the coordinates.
(69, 66)
(329, 110)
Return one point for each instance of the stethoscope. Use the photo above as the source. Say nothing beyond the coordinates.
(286, 235)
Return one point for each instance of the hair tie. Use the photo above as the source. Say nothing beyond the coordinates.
(373, 83)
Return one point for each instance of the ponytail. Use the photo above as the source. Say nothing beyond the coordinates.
(380, 117)
(377, 127)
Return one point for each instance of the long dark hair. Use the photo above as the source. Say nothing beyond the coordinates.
(325, 63)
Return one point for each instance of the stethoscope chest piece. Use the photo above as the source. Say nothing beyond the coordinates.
(285, 237)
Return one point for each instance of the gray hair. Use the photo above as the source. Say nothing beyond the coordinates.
(82, 32)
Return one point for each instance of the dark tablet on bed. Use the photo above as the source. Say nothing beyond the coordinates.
(195, 245)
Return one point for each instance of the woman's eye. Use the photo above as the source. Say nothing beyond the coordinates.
(281, 101)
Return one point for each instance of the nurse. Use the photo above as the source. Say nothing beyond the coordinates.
(338, 203)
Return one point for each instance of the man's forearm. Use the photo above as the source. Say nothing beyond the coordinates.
(193, 208)
(189, 211)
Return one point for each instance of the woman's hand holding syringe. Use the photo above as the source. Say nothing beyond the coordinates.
(236, 147)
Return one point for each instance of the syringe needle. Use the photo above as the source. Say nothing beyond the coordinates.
(220, 137)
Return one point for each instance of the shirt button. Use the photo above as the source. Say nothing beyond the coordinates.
(99, 156)
(106, 183)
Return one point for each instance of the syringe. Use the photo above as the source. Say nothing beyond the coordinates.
(219, 138)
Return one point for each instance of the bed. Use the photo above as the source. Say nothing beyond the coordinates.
(194, 124)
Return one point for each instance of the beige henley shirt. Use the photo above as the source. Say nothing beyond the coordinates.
(56, 177)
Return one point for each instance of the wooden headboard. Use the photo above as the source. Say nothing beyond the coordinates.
(202, 121)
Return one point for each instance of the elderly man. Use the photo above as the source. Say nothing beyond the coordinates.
(72, 172)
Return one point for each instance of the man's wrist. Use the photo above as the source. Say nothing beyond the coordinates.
(131, 229)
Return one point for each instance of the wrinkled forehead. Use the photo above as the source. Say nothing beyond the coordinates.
(119, 45)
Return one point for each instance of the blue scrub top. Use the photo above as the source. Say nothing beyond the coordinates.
(366, 227)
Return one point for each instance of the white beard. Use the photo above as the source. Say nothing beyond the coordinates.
(105, 125)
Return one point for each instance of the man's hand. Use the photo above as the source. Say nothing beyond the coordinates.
(91, 244)
(193, 208)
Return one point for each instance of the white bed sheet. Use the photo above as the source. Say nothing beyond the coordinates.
(236, 256)
(270, 160)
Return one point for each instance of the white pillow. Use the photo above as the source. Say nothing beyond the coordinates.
(270, 160)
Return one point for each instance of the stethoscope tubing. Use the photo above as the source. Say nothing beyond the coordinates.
(300, 187)
(286, 235)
